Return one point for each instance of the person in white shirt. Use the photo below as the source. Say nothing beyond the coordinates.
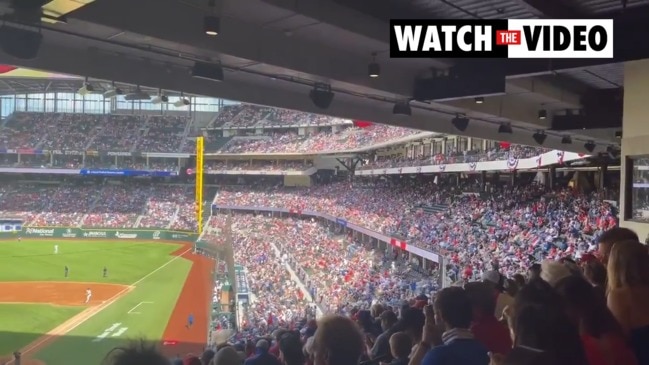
(88, 295)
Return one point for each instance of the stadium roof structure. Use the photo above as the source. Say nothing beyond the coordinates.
(25, 81)
(275, 52)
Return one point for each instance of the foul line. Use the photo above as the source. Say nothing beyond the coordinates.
(76, 323)
(134, 308)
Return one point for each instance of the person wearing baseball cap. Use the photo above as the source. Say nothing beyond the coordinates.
(496, 280)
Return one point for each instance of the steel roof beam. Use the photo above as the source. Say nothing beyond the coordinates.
(246, 42)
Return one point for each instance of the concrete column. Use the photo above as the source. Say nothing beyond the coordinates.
(635, 134)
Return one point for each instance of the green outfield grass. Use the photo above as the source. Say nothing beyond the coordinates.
(31, 320)
(126, 261)
(158, 279)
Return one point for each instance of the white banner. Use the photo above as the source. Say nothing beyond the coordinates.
(513, 164)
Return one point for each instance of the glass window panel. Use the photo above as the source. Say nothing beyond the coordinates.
(65, 102)
(7, 105)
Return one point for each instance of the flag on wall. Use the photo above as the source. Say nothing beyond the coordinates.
(362, 123)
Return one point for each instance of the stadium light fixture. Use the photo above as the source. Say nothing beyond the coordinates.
(539, 137)
(590, 146)
(460, 122)
(86, 89)
(160, 98)
(402, 108)
(543, 114)
(505, 128)
(211, 23)
(321, 96)
(374, 69)
(182, 102)
(113, 92)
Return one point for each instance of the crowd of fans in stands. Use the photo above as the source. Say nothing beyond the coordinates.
(81, 132)
(590, 311)
(498, 153)
(514, 226)
(234, 165)
(100, 206)
(346, 139)
(244, 115)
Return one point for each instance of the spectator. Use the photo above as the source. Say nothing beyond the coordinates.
(542, 332)
(493, 334)
(612, 236)
(628, 293)
(191, 360)
(261, 356)
(337, 342)
(400, 348)
(453, 310)
(274, 349)
(227, 356)
(381, 347)
(290, 348)
(495, 280)
(603, 339)
(136, 354)
(535, 271)
(595, 273)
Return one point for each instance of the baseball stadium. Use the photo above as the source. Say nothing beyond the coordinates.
(262, 182)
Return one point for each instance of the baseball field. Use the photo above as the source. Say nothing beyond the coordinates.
(146, 292)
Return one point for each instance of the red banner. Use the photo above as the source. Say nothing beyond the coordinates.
(6, 68)
(362, 123)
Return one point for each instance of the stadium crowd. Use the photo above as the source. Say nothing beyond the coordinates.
(215, 166)
(513, 227)
(345, 139)
(81, 132)
(100, 206)
(246, 115)
(338, 272)
(450, 157)
(566, 310)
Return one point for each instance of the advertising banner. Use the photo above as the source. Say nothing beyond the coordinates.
(118, 234)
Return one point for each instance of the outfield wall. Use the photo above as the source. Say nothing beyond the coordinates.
(126, 234)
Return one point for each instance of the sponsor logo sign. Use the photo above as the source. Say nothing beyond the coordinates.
(69, 233)
(125, 235)
(95, 234)
(41, 232)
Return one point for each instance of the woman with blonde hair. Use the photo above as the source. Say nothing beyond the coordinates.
(628, 293)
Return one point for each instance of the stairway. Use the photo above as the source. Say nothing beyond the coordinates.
(433, 208)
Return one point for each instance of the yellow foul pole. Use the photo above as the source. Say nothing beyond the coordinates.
(199, 184)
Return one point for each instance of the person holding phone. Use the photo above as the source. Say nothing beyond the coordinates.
(446, 337)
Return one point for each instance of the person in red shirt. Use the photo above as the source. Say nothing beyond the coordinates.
(494, 335)
(602, 336)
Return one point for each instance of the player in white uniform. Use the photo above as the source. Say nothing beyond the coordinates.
(56, 249)
(88, 295)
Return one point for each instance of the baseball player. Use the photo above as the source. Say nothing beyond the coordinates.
(88, 295)
(56, 249)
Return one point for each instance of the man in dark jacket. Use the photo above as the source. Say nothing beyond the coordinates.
(261, 356)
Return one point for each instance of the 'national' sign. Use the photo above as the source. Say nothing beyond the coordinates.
(516, 38)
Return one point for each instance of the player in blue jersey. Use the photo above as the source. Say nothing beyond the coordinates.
(190, 320)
